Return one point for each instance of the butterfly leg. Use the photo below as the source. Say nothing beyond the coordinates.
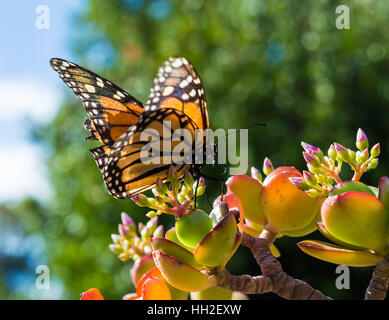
(197, 185)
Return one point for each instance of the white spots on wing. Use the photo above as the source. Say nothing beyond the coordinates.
(85, 95)
(167, 91)
(185, 96)
(189, 78)
(120, 94)
(177, 63)
(116, 97)
(90, 88)
(183, 83)
(100, 82)
(192, 93)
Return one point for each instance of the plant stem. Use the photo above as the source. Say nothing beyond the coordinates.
(379, 283)
(273, 279)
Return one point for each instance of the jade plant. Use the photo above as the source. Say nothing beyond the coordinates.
(189, 260)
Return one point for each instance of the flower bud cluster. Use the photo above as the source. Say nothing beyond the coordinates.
(324, 170)
(173, 196)
(134, 244)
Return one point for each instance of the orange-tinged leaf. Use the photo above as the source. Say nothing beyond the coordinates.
(311, 227)
(357, 218)
(216, 247)
(181, 275)
(172, 249)
(154, 272)
(338, 255)
(248, 191)
(286, 207)
(329, 236)
(130, 296)
(155, 289)
(140, 267)
(92, 294)
(213, 293)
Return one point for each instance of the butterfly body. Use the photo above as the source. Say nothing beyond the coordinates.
(118, 120)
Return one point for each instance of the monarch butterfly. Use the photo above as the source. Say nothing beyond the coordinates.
(117, 120)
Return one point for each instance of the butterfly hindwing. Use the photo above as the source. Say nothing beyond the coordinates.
(111, 110)
(127, 172)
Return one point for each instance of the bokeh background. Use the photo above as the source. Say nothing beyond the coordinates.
(280, 62)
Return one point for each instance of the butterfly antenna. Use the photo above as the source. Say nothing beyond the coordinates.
(206, 198)
(250, 126)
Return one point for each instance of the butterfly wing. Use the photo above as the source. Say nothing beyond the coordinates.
(111, 110)
(125, 169)
(178, 86)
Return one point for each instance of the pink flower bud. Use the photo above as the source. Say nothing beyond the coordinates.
(123, 230)
(307, 175)
(256, 174)
(297, 181)
(172, 174)
(311, 159)
(115, 238)
(115, 248)
(362, 142)
(332, 152)
(127, 221)
(342, 151)
(267, 166)
(309, 148)
(376, 150)
(140, 200)
(158, 232)
(309, 178)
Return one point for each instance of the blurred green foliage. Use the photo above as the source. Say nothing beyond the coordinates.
(283, 63)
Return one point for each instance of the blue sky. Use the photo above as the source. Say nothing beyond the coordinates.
(30, 91)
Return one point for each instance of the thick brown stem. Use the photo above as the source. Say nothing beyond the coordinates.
(379, 283)
(244, 283)
(282, 284)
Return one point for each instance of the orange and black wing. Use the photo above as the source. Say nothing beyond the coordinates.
(178, 86)
(111, 110)
(128, 170)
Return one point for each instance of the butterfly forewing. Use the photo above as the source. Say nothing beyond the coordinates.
(111, 110)
(178, 86)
